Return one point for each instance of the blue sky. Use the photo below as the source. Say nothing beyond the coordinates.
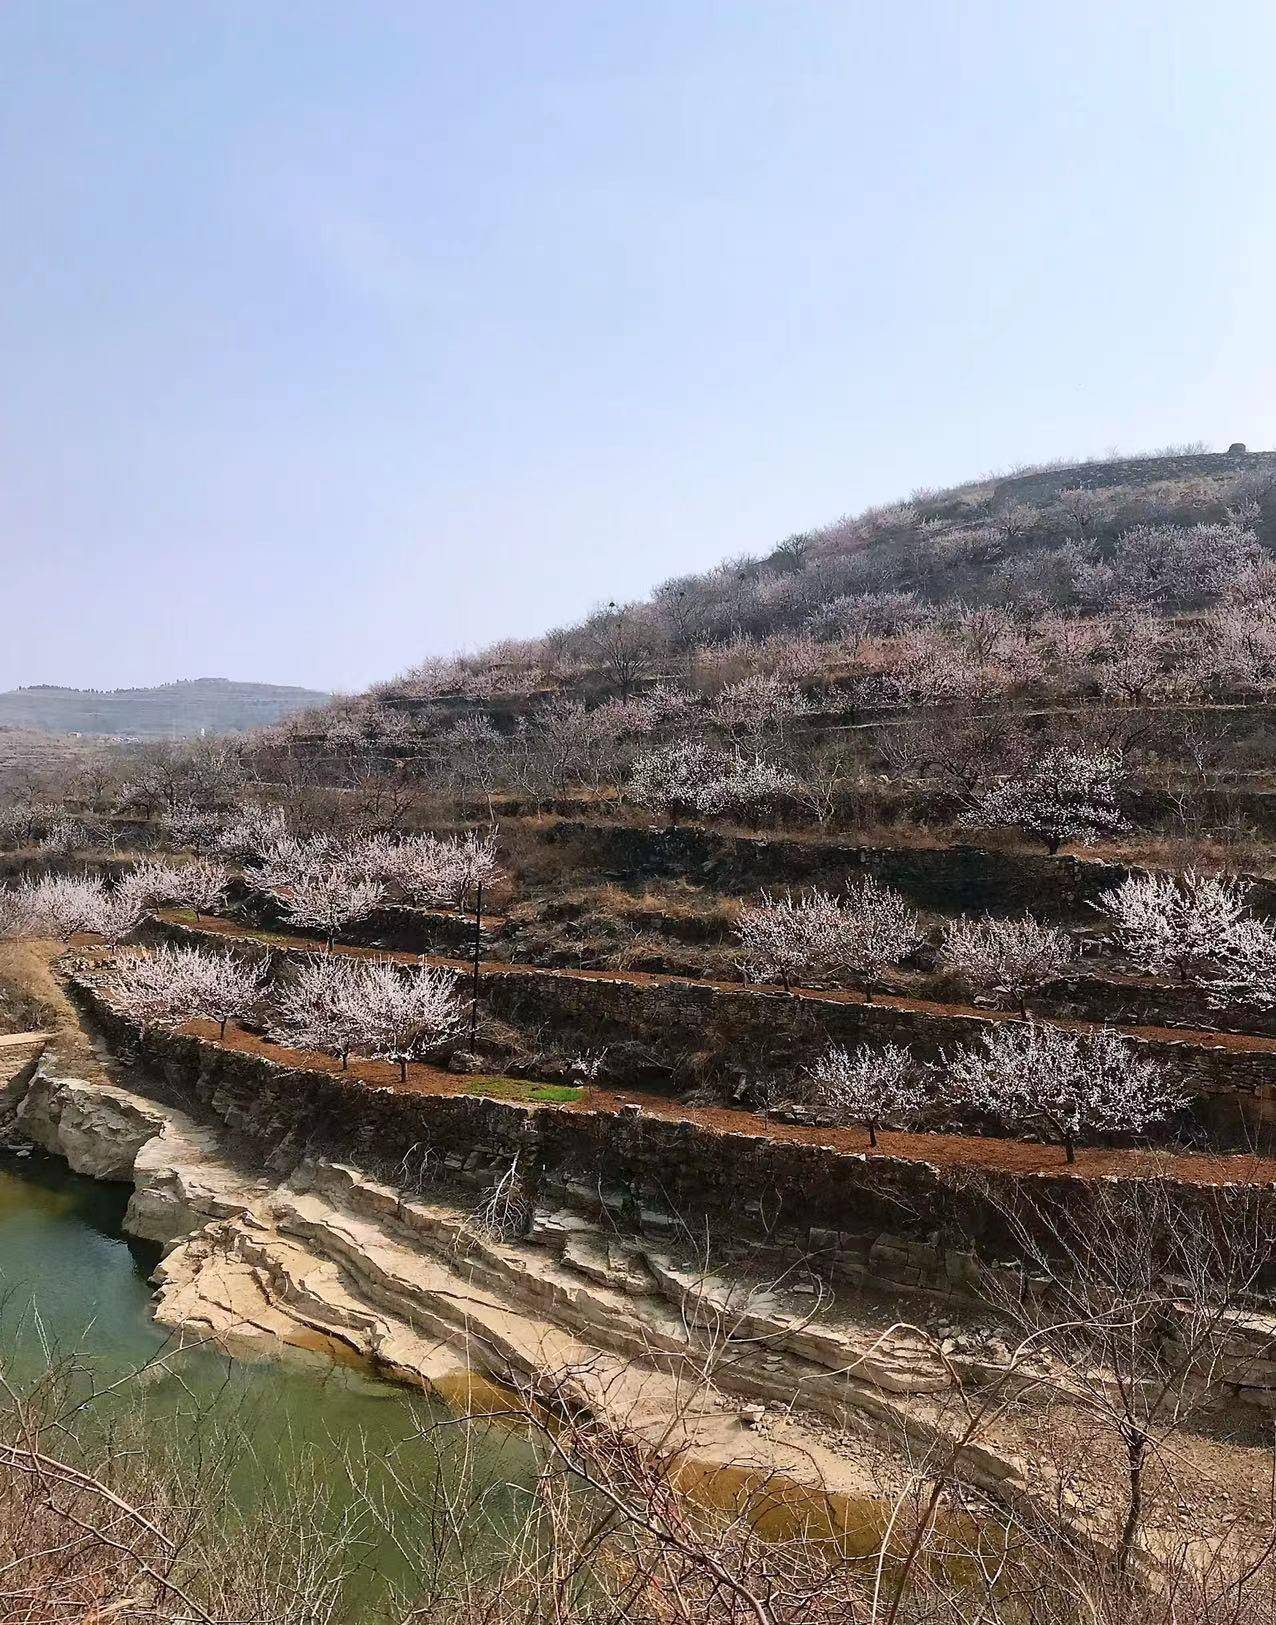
(336, 335)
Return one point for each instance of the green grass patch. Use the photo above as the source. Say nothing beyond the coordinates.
(555, 1094)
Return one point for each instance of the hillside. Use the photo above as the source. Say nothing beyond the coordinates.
(1141, 578)
(170, 711)
(862, 956)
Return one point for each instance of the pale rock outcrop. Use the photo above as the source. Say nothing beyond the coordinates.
(95, 1126)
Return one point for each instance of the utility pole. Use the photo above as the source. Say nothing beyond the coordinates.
(478, 948)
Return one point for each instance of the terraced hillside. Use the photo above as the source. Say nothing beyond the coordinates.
(895, 915)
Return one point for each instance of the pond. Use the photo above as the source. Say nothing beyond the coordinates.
(73, 1289)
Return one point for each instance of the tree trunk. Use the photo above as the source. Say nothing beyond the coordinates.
(1136, 1445)
(1069, 1148)
(872, 1132)
(222, 1033)
(403, 1071)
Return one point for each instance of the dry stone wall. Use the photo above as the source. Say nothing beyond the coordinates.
(873, 1220)
(670, 1035)
(942, 880)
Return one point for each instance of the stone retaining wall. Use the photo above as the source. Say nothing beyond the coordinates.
(852, 1211)
(945, 880)
(670, 1035)
(940, 879)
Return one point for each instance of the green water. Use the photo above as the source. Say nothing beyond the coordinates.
(73, 1290)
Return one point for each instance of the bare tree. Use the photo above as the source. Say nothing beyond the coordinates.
(623, 639)
(1138, 1294)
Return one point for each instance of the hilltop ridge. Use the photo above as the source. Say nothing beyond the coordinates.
(174, 710)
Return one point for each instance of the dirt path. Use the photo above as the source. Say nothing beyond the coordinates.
(28, 967)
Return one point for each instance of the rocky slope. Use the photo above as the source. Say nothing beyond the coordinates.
(329, 1259)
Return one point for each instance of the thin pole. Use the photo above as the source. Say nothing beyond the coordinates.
(478, 947)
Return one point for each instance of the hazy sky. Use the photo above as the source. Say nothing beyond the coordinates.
(333, 335)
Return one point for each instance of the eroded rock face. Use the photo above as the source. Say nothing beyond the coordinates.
(182, 1180)
(98, 1128)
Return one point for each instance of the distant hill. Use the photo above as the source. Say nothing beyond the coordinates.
(169, 711)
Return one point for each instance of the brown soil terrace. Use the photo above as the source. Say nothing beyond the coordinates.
(941, 1150)
(1240, 1043)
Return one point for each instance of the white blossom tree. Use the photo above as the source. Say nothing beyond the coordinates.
(1070, 795)
(1176, 924)
(400, 1015)
(819, 934)
(680, 780)
(175, 984)
(291, 861)
(61, 905)
(200, 883)
(462, 864)
(1074, 1083)
(121, 912)
(330, 901)
(752, 787)
(1008, 958)
(19, 819)
(147, 987)
(220, 987)
(871, 1085)
(315, 1010)
(1247, 966)
(253, 831)
(65, 836)
(379, 856)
